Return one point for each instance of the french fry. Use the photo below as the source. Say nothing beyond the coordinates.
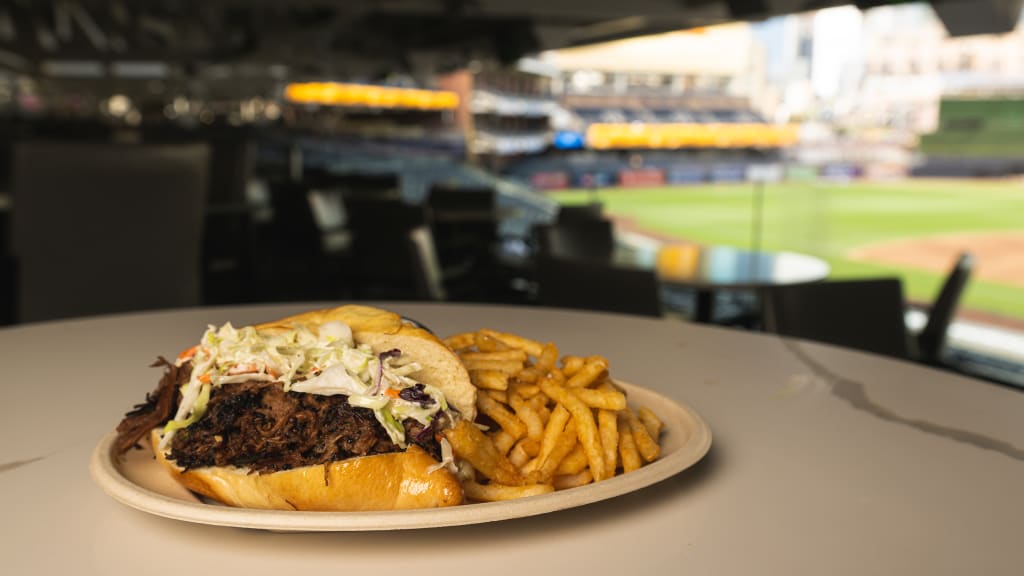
(507, 366)
(608, 427)
(540, 405)
(627, 449)
(486, 343)
(532, 347)
(530, 446)
(528, 416)
(651, 422)
(461, 341)
(495, 492)
(489, 379)
(518, 455)
(586, 428)
(472, 445)
(500, 355)
(548, 357)
(574, 462)
(528, 391)
(603, 399)
(528, 375)
(500, 396)
(556, 423)
(557, 376)
(571, 365)
(564, 444)
(588, 374)
(646, 445)
(495, 411)
(564, 482)
(503, 441)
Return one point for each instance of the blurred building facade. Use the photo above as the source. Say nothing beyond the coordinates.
(684, 106)
(911, 62)
(503, 113)
(866, 85)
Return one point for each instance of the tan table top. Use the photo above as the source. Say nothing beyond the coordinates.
(824, 461)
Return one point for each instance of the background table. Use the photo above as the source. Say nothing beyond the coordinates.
(824, 461)
(710, 268)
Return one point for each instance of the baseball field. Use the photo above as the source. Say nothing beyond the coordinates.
(910, 228)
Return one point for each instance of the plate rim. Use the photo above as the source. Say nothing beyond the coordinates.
(103, 467)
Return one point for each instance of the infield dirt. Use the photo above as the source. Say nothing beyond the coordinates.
(998, 255)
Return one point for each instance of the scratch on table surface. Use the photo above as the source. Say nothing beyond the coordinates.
(854, 393)
(8, 466)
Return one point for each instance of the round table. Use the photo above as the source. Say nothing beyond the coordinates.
(711, 268)
(824, 461)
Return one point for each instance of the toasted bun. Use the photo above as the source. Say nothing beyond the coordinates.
(397, 481)
(383, 331)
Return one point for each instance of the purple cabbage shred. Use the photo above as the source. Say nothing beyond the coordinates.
(416, 394)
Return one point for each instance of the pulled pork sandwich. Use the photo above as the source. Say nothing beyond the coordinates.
(338, 409)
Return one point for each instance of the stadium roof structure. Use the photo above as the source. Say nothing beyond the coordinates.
(303, 39)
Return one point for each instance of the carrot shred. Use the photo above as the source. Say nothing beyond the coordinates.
(186, 354)
(391, 392)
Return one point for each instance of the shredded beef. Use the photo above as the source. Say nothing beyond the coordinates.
(158, 408)
(258, 425)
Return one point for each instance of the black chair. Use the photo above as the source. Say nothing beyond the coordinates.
(464, 202)
(426, 271)
(931, 341)
(464, 224)
(228, 256)
(290, 247)
(379, 186)
(866, 314)
(102, 228)
(592, 240)
(577, 212)
(293, 225)
(379, 265)
(569, 283)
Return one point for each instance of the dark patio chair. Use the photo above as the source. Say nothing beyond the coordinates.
(103, 228)
(577, 212)
(592, 240)
(569, 283)
(428, 282)
(931, 341)
(464, 223)
(865, 314)
(450, 201)
(379, 265)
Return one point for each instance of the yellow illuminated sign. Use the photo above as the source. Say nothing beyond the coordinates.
(368, 96)
(684, 135)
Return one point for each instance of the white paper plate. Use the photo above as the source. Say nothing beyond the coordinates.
(139, 481)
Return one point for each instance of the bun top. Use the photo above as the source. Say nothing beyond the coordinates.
(382, 330)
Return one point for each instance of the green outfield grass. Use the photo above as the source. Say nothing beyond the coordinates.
(828, 220)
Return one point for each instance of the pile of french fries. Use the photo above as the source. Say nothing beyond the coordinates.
(546, 423)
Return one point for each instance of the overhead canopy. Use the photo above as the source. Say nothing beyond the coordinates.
(317, 37)
(715, 50)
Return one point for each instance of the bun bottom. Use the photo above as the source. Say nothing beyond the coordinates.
(396, 481)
